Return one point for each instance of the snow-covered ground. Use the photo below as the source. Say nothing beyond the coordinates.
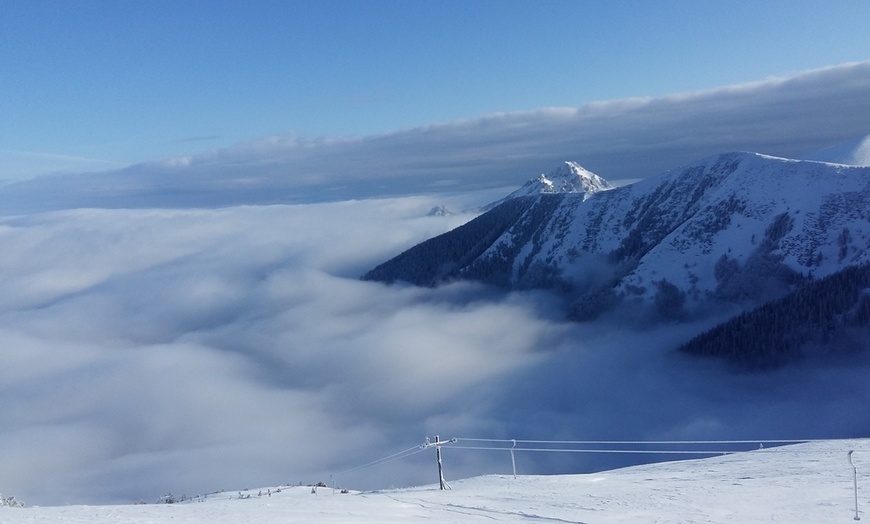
(855, 152)
(803, 483)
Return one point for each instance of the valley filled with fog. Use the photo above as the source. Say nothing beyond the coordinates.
(289, 245)
(195, 350)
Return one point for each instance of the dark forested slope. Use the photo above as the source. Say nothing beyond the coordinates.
(831, 313)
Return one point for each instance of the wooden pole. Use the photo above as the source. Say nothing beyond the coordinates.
(442, 483)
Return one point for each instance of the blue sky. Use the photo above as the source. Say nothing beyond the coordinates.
(97, 85)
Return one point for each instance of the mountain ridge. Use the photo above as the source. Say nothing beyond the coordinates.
(855, 152)
(737, 226)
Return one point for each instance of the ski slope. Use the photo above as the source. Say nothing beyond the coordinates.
(811, 482)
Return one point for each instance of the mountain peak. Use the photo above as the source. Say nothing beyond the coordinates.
(567, 177)
(571, 177)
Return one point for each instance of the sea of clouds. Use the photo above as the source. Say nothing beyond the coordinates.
(187, 351)
(160, 336)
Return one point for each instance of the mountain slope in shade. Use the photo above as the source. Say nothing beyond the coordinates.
(738, 226)
(831, 315)
(855, 152)
(569, 177)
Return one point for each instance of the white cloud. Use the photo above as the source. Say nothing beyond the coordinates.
(621, 139)
(202, 350)
(199, 335)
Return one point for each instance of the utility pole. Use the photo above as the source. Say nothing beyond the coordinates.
(854, 483)
(441, 480)
(513, 460)
(437, 445)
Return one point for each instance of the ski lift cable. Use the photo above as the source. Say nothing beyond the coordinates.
(389, 458)
(598, 450)
(453, 443)
(638, 442)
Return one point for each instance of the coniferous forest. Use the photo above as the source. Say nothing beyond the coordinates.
(829, 315)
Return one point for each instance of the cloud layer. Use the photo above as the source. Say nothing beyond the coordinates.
(622, 139)
(177, 349)
(148, 351)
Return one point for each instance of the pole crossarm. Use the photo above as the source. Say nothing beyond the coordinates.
(428, 444)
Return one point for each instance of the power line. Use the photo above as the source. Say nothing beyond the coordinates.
(637, 442)
(598, 450)
(453, 443)
(389, 458)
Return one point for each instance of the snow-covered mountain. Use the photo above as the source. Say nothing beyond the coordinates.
(854, 152)
(810, 482)
(568, 177)
(737, 226)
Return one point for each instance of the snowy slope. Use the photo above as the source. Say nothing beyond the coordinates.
(811, 482)
(855, 152)
(735, 226)
(815, 203)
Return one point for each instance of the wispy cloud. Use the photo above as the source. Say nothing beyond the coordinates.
(60, 156)
(22, 164)
(204, 138)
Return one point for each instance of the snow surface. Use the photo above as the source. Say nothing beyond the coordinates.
(855, 152)
(810, 482)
